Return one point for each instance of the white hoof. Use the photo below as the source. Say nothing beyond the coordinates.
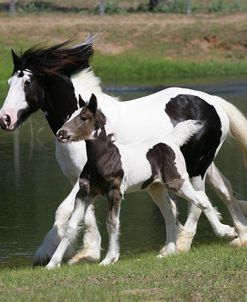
(228, 232)
(109, 260)
(164, 252)
(86, 255)
(238, 242)
(52, 265)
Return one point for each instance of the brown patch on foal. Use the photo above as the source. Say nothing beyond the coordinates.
(162, 160)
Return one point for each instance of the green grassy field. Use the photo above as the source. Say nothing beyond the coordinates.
(209, 273)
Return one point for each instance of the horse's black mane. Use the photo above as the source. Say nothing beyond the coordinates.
(55, 59)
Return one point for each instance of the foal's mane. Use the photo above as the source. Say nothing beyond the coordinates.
(56, 59)
(100, 119)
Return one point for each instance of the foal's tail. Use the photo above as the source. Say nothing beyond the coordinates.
(238, 125)
(183, 131)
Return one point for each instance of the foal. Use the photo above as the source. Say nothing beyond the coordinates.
(112, 169)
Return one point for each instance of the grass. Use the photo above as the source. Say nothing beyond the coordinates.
(140, 69)
(208, 273)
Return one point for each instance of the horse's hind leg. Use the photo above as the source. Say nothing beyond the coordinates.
(200, 199)
(168, 209)
(186, 233)
(224, 190)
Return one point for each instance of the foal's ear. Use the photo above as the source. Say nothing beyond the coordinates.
(92, 105)
(82, 103)
(15, 58)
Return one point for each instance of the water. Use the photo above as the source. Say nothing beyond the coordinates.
(32, 185)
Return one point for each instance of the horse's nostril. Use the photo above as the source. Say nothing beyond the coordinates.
(2, 123)
(7, 119)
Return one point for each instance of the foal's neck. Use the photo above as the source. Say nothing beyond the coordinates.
(99, 145)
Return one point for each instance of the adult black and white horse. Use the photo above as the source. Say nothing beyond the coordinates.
(51, 79)
(155, 165)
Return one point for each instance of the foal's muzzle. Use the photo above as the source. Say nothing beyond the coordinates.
(62, 136)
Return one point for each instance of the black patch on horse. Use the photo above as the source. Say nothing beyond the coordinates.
(200, 150)
(162, 160)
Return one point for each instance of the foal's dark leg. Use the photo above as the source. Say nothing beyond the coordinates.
(113, 225)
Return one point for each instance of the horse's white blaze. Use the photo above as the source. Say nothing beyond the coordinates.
(16, 99)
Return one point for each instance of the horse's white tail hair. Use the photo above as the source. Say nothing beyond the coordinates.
(183, 131)
(238, 125)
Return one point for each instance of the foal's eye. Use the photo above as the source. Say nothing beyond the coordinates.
(83, 118)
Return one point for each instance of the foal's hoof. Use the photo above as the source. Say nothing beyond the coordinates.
(109, 260)
(165, 253)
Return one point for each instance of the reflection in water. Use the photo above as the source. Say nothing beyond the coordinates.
(32, 186)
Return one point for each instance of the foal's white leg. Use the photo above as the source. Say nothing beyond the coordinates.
(223, 189)
(91, 248)
(44, 253)
(200, 199)
(168, 209)
(81, 204)
(113, 226)
(187, 232)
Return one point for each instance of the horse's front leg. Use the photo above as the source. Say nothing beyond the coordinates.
(82, 202)
(113, 225)
(44, 253)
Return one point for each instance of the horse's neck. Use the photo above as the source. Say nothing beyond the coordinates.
(85, 83)
(61, 102)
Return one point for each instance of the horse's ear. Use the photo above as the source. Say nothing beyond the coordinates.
(82, 103)
(92, 105)
(15, 58)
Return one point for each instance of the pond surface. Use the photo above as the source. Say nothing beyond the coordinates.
(32, 185)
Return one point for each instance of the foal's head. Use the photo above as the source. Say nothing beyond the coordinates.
(83, 123)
